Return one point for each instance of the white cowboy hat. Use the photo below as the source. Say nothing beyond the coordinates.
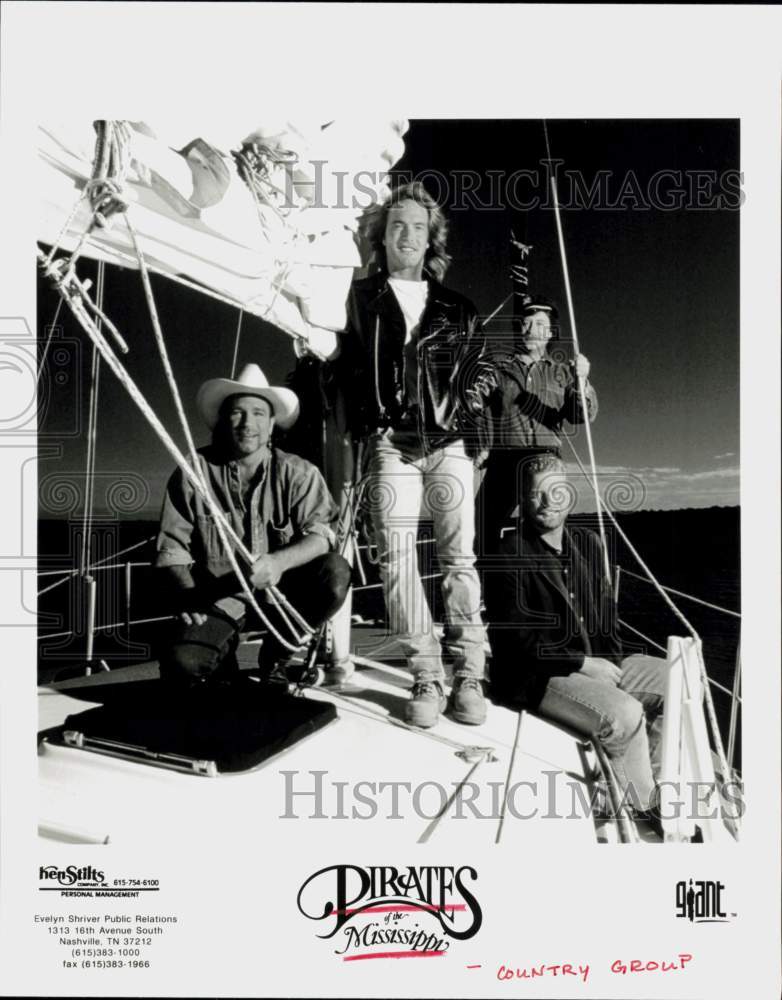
(251, 382)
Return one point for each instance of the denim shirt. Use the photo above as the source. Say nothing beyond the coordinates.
(289, 500)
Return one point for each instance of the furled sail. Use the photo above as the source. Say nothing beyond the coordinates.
(265, 219)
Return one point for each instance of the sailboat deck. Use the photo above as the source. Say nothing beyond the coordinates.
(88, 797)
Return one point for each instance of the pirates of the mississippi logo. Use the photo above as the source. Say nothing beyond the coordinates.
(387, 912)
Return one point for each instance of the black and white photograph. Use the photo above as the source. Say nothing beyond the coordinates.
(420, 466)
(390, 518)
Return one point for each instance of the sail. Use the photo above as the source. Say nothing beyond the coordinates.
(265, 218)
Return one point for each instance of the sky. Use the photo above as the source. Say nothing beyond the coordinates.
(651, 231)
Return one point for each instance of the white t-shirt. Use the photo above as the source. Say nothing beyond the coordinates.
(411, 296)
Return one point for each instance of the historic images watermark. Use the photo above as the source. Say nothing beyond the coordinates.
(314, 795)
(524, 190)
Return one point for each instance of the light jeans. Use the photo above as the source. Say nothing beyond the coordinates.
(626, 718)
(405, 485)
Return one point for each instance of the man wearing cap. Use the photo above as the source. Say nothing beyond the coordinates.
(531, 394)
(277, 503)
(407, 348)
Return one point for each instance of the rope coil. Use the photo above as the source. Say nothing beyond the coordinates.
(105, 189)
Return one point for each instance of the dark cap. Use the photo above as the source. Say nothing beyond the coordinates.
(525, 304)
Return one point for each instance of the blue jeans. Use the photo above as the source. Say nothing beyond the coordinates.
(626, 718)
(404, 485)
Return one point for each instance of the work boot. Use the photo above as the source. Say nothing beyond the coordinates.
(467, 702)
(426, 702)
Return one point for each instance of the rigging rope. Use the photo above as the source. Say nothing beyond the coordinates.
(636, 555)
(161, 346)
(64, 269)
(508, 776)
(223, 527)
(435, 821)
(66, 227)
(236, 342)
(252, 166)
(502, 305)
(75, 302)
(641, 635)
(688, 597)
(92, 431)
(112, 159)
(577, 350)
(736, 700)
(705, 679)
(104, 189)
(600, 508)
(712, 716)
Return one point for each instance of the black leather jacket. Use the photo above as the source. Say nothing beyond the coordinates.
(371, 364)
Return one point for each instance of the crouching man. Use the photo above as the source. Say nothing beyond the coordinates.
(280, 507)
(554, 639)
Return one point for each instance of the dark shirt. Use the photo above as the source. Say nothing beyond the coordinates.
(533, 400)
(546, 612)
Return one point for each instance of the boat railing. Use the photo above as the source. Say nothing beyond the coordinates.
(733, 693)
(128, 567)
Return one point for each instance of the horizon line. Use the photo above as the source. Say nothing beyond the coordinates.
(154, 516)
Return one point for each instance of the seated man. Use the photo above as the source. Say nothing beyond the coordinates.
(278, 504)
(553, 636)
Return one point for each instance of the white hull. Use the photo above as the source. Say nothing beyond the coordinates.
(85, 796)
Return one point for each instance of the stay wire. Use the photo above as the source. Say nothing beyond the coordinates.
(579, 380)
(92, 433)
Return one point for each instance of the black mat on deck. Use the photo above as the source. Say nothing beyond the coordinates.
(237, 726)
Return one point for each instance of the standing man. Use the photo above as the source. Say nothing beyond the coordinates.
(277, 503)
(531, 394)
(553, 635)
(407, 348)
